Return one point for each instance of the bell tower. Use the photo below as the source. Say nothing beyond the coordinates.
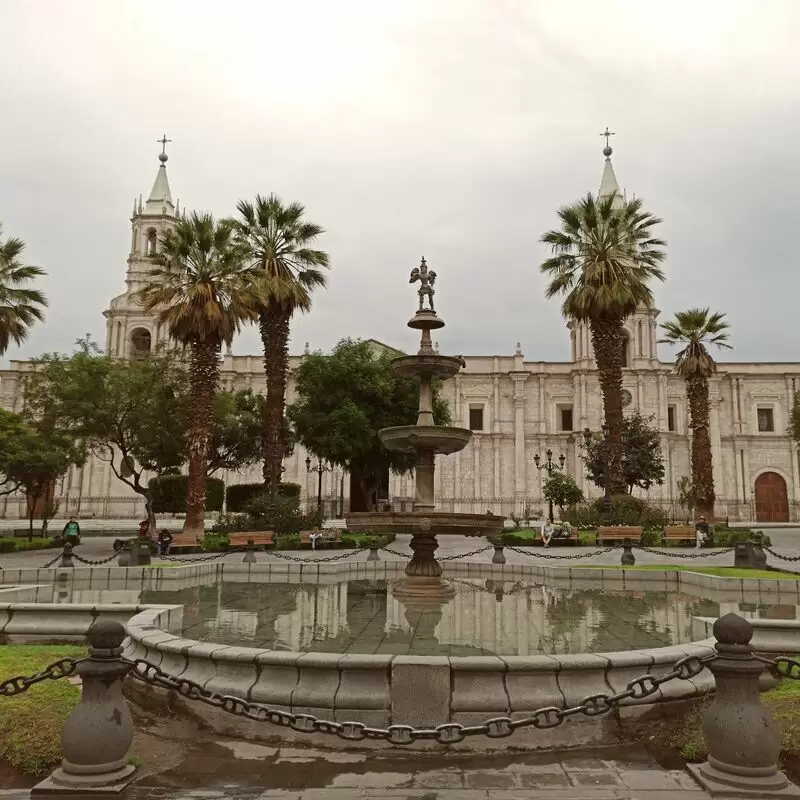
(130, 331)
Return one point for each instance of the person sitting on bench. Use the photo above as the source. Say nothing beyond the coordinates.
(547, 534)
(314, 537)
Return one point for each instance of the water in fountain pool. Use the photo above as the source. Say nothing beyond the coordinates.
(484, 617)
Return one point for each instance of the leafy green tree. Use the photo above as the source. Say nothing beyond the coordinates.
(36, 459)
(279, 240)
(344, 399)
(603, 257)
(13, 435)
(20, 305)
(695, 330)
(131, 414)
(560, 488)
(202, 293)
(686, 494)
(642, 459)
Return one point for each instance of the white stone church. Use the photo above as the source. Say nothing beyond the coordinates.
(516, 408)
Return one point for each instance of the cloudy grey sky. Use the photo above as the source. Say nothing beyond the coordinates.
(449, 128)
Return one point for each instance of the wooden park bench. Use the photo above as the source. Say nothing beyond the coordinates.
(618, 533)
(329, 537)
(259, 539)
(683, 534)
(184, 541)
(560, 538)
(721, 521)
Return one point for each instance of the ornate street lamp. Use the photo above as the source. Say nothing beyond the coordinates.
(320, 469)
(550, 467)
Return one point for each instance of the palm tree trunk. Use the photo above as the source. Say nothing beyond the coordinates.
(274, 327)
(203, 380)
(608, 339)
(702, 464)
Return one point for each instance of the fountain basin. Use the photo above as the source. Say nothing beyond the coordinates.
(428, 366)
(416, 438)
(435, 523)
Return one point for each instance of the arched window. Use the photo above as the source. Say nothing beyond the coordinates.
(626, 343)
(152, 241)
(140, 343)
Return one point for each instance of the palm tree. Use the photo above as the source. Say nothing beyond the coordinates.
(604, 255)
(695, 329)
(20, 307)
(202, 292)
(279, 239)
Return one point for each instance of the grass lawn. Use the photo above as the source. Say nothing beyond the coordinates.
(31, 723)
(723, 572)
(685, 737)
(18, 544)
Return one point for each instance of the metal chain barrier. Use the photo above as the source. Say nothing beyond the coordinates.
(54, 561)
(93, 563)
(189, 559)
(782, 666)
(337, 557)
(540, 554)
(778, 555)
(701, 554)
(395, 552)
(594, 705)
(466, 555)
(62, 668)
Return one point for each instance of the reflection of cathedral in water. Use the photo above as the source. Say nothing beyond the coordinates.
(483, 617)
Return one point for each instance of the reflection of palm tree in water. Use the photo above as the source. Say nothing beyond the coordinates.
(565, 614)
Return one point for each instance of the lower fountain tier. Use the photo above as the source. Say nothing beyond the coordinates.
(441, 523)
(419, 438)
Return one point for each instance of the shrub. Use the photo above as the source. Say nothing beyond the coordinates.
(240, 494)
(169, 494)
(7, 545)
(213, 542)
(625, 510)
(258, 515)
(727, 537)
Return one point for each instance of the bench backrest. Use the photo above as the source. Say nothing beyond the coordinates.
(678, 530)
(184, 538)
(256, 536)
(630, 531)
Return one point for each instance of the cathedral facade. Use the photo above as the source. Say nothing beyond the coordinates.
(517, 410)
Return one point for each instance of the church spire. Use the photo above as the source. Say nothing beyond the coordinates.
(608, 183)
(160, 199)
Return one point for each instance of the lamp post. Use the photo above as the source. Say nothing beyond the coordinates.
(320, 469)
(587, 438)
(550, 467)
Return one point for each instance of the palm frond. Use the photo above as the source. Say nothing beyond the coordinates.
(695, 329)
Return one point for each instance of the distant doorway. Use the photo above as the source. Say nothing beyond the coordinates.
(772, 499)
(359, 501)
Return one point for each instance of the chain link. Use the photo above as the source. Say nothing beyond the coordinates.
(783, 666)
(50, 563)
(778, 555)
(466, 555)
(449, 733)
(62, 668)
(540, 554)
(702, 554)
(190, 559)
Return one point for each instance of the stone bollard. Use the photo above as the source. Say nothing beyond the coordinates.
(99, 731)
(124, 559)
(373, 554)
(499, 556)
(627, 559)
(742, 739)
(250, 553)
(66, 556)
(749, 555)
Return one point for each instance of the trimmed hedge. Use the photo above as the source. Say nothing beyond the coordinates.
(240, 494)
(169, 494)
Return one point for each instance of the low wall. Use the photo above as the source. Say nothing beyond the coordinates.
(380, 690)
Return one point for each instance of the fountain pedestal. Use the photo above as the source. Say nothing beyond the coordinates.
(426, 440)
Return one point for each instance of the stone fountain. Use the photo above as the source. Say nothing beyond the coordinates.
(426, 440)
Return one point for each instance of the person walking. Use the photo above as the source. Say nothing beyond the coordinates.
(72, 532)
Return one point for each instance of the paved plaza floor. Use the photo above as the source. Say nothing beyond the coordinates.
(243, 771)
(785, 541)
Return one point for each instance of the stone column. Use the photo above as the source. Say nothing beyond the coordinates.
(519, 440)
(99, 731)
(423, 497)
(742, 739)
(496, 453)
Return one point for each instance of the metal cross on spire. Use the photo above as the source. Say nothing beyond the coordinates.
(164, 142)
(607, 133)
